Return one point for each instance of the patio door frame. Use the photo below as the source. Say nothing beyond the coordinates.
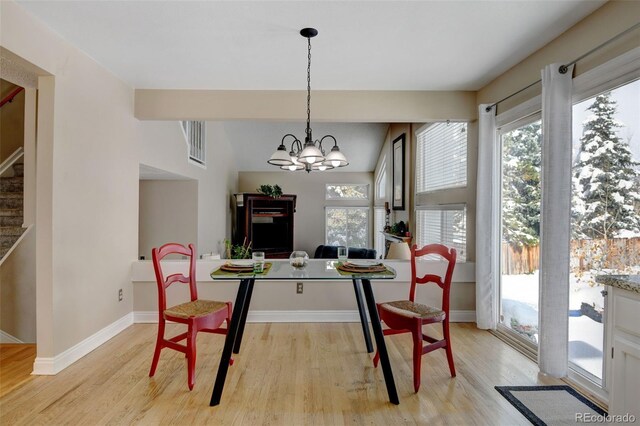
(528, 112)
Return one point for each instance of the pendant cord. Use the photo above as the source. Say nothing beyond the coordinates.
(309, 91)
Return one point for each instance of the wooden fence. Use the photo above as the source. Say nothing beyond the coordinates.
(617, 253)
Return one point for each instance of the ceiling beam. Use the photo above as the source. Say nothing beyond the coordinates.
(326, 106)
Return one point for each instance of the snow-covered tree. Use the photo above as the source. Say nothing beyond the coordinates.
(605, 177)
(521, 185)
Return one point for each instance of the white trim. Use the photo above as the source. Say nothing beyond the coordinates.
(519, 112)
(151, 317)
(17, 154)
(576, 378)
(53, 365)
(13, 247)
(7, 338)
(614, 73)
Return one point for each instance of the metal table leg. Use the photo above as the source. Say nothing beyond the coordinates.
(243, 318)
(240, 306)
(363, 316)
(382, 347)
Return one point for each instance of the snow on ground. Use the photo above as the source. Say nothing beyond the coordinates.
(520, 301)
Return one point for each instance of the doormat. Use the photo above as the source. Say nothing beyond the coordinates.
(552, 405)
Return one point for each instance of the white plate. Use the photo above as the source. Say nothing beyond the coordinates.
(240, 262)
(363, 263)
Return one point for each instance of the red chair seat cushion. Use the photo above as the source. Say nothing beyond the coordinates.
(410, 309)
(196, 308)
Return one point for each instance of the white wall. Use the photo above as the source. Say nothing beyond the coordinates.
(168, 213)
(162, 146)
(18, 291)
(309, 225)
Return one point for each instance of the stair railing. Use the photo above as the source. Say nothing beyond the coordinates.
(5, 166)
(11, 95)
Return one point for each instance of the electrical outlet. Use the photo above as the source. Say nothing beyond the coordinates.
(299, 288)
(120, 295)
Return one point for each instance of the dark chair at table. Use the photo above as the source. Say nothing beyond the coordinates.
(197, 314)
(408, 316)
(331, 252)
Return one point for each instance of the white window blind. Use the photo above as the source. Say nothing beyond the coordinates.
(444, 225)
(441, 157)
(347, 226)
(378, 227)
(194, 133)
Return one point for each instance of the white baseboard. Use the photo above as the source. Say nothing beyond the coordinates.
(52, 366)
(141, 317)
(7, 338)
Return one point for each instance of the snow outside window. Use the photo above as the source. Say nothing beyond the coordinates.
(347, 226)
(378, 227)
(443, 225)
(349, 191)
(194, 133)
(441, 157)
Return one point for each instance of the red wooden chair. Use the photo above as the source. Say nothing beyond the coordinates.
(407, 316)
(197, 315)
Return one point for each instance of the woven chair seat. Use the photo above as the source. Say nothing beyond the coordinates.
(196, 308)
(413, 310)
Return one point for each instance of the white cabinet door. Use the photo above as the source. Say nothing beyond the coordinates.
(625, 393)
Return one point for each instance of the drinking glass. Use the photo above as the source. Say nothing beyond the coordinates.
(258, 261)
(342, 253)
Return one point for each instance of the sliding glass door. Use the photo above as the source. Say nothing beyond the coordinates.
(520, 228)
(605, 219)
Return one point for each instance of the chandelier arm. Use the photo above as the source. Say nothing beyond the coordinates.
(335, 142)
(298, 146)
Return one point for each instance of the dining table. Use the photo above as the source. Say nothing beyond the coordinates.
(317, 270)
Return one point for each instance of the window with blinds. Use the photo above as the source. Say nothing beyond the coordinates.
(194, 133)
(441, 157)
(378, 227)
(444, 225)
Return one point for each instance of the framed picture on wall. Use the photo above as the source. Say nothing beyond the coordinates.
(398, 173)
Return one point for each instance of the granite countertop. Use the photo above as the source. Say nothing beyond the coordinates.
(625, 282)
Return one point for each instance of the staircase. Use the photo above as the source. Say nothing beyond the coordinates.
(11, 199)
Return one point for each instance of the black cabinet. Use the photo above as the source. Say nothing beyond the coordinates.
(266, 222)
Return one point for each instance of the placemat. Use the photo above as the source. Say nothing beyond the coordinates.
(346, 269)
(236, 271)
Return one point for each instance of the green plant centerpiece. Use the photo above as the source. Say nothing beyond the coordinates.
(237, 251)
(272, 191)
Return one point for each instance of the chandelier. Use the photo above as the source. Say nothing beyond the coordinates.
(311, 155)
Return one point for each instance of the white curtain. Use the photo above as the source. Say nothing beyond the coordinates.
(555, 221)
(486, 252)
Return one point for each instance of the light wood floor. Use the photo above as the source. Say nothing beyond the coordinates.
(286, 374)
(16, 365)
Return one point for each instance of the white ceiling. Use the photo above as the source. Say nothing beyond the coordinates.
(241, 45)
(378, 45)
(254, 142)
